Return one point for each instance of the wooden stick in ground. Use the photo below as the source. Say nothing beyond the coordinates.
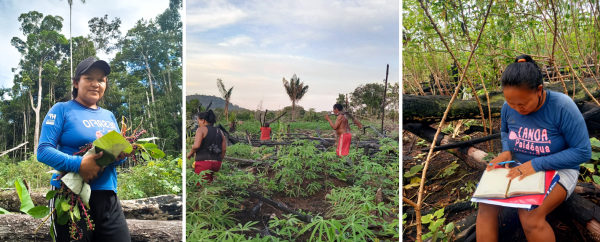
(269, 123)
(464, 72)
(384, 94)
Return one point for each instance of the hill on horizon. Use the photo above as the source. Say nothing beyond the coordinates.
(217, 102)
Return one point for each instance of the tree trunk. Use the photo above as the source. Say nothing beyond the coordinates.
(71, 42)
(149, 76)
(169, 76)
(430, 109)
(293, 109)
(226, 110)
(36, 138)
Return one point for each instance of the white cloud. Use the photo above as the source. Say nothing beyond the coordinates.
(238, 40)
(214, 14)
(128, 11)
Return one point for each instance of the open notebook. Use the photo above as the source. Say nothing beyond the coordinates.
(495, 184)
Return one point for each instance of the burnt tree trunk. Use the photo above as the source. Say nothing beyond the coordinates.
(17, 227)
(430, 109)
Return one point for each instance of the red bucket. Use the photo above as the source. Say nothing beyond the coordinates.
(265, 133)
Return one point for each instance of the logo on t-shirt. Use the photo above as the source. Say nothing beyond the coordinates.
(51, 118)
(531, 141)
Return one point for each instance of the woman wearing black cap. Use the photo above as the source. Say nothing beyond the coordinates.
(209, 146)
(70, 125)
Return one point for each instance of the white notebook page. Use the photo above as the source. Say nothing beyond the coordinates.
(493, 184)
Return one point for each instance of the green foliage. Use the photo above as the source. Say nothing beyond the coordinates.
(436, 228)
(157, 177)
(422, 143)
(413, 170)
(297, 170)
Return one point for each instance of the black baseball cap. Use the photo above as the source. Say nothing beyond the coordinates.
(92, 62)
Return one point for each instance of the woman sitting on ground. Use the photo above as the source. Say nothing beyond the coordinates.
(544, 130)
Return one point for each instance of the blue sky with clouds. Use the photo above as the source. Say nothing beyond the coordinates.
(332, 46)
(128, 11)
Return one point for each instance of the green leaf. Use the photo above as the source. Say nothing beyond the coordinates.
(150, 146)
(426, 236)
(439, 213)
(449, 228)
(39, 212)
(595, 155)
(4, 211)
(76, 213)
(416, 169)
(65, 206)
(595, 142)
(112, 144)
(52, 230)
(50, 194)
(26, 202)
(426, 219)
(589, 167)
(145, 156)
(63, 219)
(596, 179)
(157, 154)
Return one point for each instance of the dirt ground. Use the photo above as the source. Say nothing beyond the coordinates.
(442, 192)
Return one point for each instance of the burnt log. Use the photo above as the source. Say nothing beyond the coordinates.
(430, 109)
(472, 156)
(17, 227)
(477, 128)
(164, 207)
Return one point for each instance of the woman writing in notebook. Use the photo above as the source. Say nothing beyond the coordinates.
(542, 130)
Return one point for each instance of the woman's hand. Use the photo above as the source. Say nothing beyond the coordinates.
(88, 168)
(189, 156)
(521, 171)
(123, 156)
(504, 156)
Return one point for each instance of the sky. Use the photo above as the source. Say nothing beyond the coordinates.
(128, 11)
(332, 46)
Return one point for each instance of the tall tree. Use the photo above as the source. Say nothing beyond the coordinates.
(39, 52)
(295, 90)
(225, 94)
(70, 35)
(103, 33)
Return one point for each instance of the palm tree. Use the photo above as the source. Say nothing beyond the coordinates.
(225, 94)
(296, 90)
(71, 37)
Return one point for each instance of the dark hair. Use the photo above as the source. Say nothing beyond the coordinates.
(524, 74)
(209, 116)
(76, 91)
(338, 106)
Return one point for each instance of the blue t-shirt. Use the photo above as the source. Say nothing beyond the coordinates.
(554, 137)
(68, 126)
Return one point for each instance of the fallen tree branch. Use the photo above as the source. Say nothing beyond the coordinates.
(7, 151)
(19, 227)
(466, 143)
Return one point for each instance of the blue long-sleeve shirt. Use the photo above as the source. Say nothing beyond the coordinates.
(68, 126)
(554, 137)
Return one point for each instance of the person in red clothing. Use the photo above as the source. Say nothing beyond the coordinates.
(209, 146)
(342, 129)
